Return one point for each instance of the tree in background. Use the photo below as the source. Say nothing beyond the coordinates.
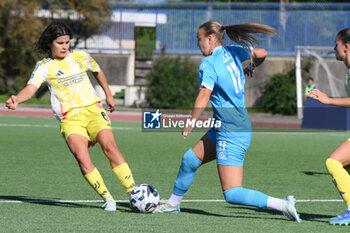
(22, 21)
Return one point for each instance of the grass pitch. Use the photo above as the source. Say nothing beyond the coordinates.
(42, 189)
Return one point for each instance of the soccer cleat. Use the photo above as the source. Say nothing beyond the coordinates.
(110, 205)
(341, 219)
(166, 208)
(289, 209)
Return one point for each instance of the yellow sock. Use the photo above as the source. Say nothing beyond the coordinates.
(124, 175)
(341, 178)
(94, 178)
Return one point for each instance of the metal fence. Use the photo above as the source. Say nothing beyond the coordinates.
(296, 24)
(297, 27)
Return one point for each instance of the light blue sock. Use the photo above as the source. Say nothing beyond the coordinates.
(242, 196)
(189, 165)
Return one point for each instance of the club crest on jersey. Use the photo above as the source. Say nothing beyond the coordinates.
(59, 73)
(222, 156)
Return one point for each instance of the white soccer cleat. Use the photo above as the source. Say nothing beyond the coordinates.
(289, 209)
(110, 205)
(166, 208)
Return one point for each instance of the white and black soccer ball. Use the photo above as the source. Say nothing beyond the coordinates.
(144, 198)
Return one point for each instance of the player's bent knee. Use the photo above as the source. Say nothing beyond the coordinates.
(190, 160)
(233, 195)
(189, 165)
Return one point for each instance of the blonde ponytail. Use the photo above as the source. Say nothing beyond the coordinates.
(239, 33)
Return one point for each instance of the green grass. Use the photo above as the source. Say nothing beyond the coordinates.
(37, 165)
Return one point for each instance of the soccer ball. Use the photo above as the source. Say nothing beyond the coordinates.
(144, 198)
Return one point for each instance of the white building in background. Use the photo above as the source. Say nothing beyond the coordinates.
(119, 37)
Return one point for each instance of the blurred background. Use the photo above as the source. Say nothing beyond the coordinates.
(148, 49)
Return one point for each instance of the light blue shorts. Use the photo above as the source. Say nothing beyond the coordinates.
(230, 146)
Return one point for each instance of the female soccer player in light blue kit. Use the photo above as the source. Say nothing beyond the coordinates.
(221, 78)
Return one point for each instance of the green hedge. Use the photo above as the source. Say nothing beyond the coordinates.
(279, 95)
(173, 83)
(279, 91)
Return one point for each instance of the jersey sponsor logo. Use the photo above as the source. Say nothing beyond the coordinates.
(152, 120)
(59, 73)
(32, 76)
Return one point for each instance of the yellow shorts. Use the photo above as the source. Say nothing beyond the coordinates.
(88, 122)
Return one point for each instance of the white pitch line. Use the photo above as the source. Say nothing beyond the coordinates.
(127, 201)
(28, 125)
(337, 200)
(340, 134)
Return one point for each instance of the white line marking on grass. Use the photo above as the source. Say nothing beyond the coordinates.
(127, 201)
(28, 125)
(56, 126)
(337, 200)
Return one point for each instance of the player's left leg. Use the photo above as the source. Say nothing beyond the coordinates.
(99, 128)
(231, 180)
(119, 166)
(230, 158)
(336, 165)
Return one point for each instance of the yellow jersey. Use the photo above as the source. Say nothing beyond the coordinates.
(347, 82)
(69, 85)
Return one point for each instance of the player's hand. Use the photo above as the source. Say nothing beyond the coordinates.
(248, 70)
(111, 103)
(319, 95)
(186, 131)
(12, 102)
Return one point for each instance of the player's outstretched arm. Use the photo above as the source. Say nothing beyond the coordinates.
(24, 95)
(323, 98)
(101, 78)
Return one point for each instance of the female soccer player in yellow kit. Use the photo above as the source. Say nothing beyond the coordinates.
(339, 160)
(75, 103)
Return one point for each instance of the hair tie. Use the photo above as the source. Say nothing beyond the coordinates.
(223, 28)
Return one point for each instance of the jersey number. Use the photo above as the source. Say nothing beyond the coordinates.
(237, 83)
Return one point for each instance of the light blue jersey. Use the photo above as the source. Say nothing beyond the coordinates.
(222, 72)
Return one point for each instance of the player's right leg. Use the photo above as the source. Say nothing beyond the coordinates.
(77, 139)
(336, 164)
(202, 152)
